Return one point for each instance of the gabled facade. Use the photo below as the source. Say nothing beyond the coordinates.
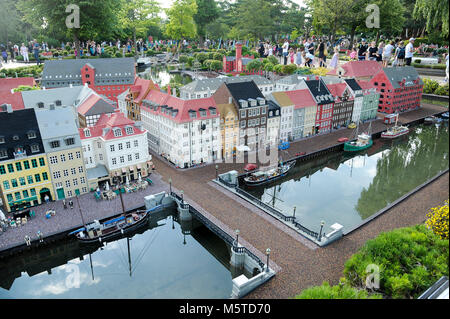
(107, 77)
(252, 110)
(135, 96)
(62, 146)
(400, 89)
(184, 132)
(325, 102)
(24, 172)
(358, 97)
(273, 124)
(305, 110)
(114, 146)
(343, 104)
(370, 101)
(286, 115)
(229, 128)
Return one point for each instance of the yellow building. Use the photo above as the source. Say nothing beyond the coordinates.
(24, 182)
(229, 125)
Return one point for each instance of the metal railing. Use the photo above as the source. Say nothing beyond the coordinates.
(277, 213)
(220, 232)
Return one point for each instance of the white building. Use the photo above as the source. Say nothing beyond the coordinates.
(185, 132)
(273, 124)
(122, 103)
(115, 146)
(289, 83)
(357, 92)
(287, 115)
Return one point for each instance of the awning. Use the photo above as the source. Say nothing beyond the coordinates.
(243, 148)
(97, 172)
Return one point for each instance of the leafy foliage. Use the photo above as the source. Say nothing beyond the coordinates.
(181, 19)
(410, 260)
(22, 88)
(341, 291)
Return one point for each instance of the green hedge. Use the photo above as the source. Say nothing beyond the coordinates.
(341, 291)
(410, 260)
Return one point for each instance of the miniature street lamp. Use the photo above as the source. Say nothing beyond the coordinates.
(295, 207)
(268, 254)
(237, 237)
(181, 192)
(173, 225)
(184, 239)
(170, 185)
(217, 176)
(321, 227)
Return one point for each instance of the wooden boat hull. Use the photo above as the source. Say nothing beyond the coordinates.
(348, 147)
(386, 136)
(119, 233)
(270, 179)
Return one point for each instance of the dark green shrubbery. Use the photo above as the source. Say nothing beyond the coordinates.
(410, 260)
(341, 291)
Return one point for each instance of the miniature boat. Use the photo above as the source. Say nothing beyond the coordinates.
(112, 228)
(268, 175)
(432, 119)
(395, 131)
(445, 115)
(363, 141)
(144, 62)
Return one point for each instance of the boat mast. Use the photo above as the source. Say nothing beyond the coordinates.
(129, 254)
(79, 209)
(92, 268)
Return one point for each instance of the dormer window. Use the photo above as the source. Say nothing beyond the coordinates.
(70, 141)
(192, 114)
(2, 139)
(58, 102)
(40, 105)
(129, 130)
(212, 111)
(3, 153)
(31, 134)
(54, 144)
(35, 148)
(117, 132)
(87, 132)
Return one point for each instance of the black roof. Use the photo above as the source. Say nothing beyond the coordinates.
(14, 129)
(244, 90)
(353, 84)
(273, 106)
(319, 91)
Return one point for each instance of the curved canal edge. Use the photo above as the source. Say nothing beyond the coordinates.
(396, 202)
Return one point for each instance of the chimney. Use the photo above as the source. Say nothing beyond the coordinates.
(9, 108)
(12, 91)
(174, 91)
(209, 92)
(238, 51)
(230, 100)
(168, 89)
(52, 106)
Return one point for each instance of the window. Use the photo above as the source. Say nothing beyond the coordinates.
(33, 192)
(73, 171)
(78, 154)
(63, 157)
(30, 179)
(120, 146)
(80, 169)
(17, 195)
(82, 180)
(31, 135)
(67, 183)
(66, 172)
(128, 144)
(2, 169)
(25, 194)
(3, 153)
(136, 156)
(111, 147)
(22, 181)
(26, 164)
(100, 157)
(117, 132)
(41, 161)
(14, 182)
(129, 130)
(114, 161)
(122, 159)
(130, 157)
(75, 182)
(54, 144)
(70, 141)
(34, 163)
(136, 143)
(18, 166)
(87, 132)
(44, 176)
(70, 155)
(53, 160)
(6, 184)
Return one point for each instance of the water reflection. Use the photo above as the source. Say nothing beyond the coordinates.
(165, 259)
(160, 74)
(348, 188)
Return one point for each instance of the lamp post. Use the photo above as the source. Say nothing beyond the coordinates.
(268, 254)
(170, 185)
(322, 223)
(237, 237)
(295, 207)
(217, 174)
(181, 192)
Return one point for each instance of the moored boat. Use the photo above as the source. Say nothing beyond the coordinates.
(445, 115)
(265, 176)
(362, 142)
(395, 131)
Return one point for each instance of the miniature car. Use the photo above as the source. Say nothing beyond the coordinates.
(250, 167)
(352, 125)
(343, 139)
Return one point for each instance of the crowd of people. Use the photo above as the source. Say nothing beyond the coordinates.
(24, 50)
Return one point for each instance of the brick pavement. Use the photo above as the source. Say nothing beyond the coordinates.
(66, 219)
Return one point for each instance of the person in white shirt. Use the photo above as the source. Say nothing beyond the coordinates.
(24, 53)
(409, 51)
(285, 50)
(387, 53)
(446, 69)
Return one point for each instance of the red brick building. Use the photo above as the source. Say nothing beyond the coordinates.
(237, 64)
(107, 77)
(400, 89)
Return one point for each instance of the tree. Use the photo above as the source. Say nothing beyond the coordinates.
(435, 12)
(181, 19)
(138, 16)
(207, 12)
(97, 18)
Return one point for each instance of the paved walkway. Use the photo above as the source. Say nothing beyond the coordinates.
(301, 266)
(66, 219)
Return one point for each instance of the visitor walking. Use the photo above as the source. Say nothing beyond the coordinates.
(322, 54)
(387, 53)
(291, 56)
(409, 51)
(400, 53)
(27, 240)
(70, 204)
(362, 50)
(335, 58)
(285, 50)
(446, 69)
(380, 53)
(298, 59)
(24, 53)
(36, 48)
(47, 199)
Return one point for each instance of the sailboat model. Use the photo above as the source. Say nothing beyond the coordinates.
(362, 142)
(395, 131)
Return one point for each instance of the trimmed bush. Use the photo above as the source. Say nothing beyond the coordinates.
(288, 69)
(442, 90)
(438, 219)
(409, 259)
(341, 291)
(118, 55)
(430, 86)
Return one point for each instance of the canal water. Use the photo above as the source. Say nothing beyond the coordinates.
(349, 188)
(161, 75)
(165, 259)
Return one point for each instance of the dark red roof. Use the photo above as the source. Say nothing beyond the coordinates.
(337, 90)
(15, 99)
(301, 98)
